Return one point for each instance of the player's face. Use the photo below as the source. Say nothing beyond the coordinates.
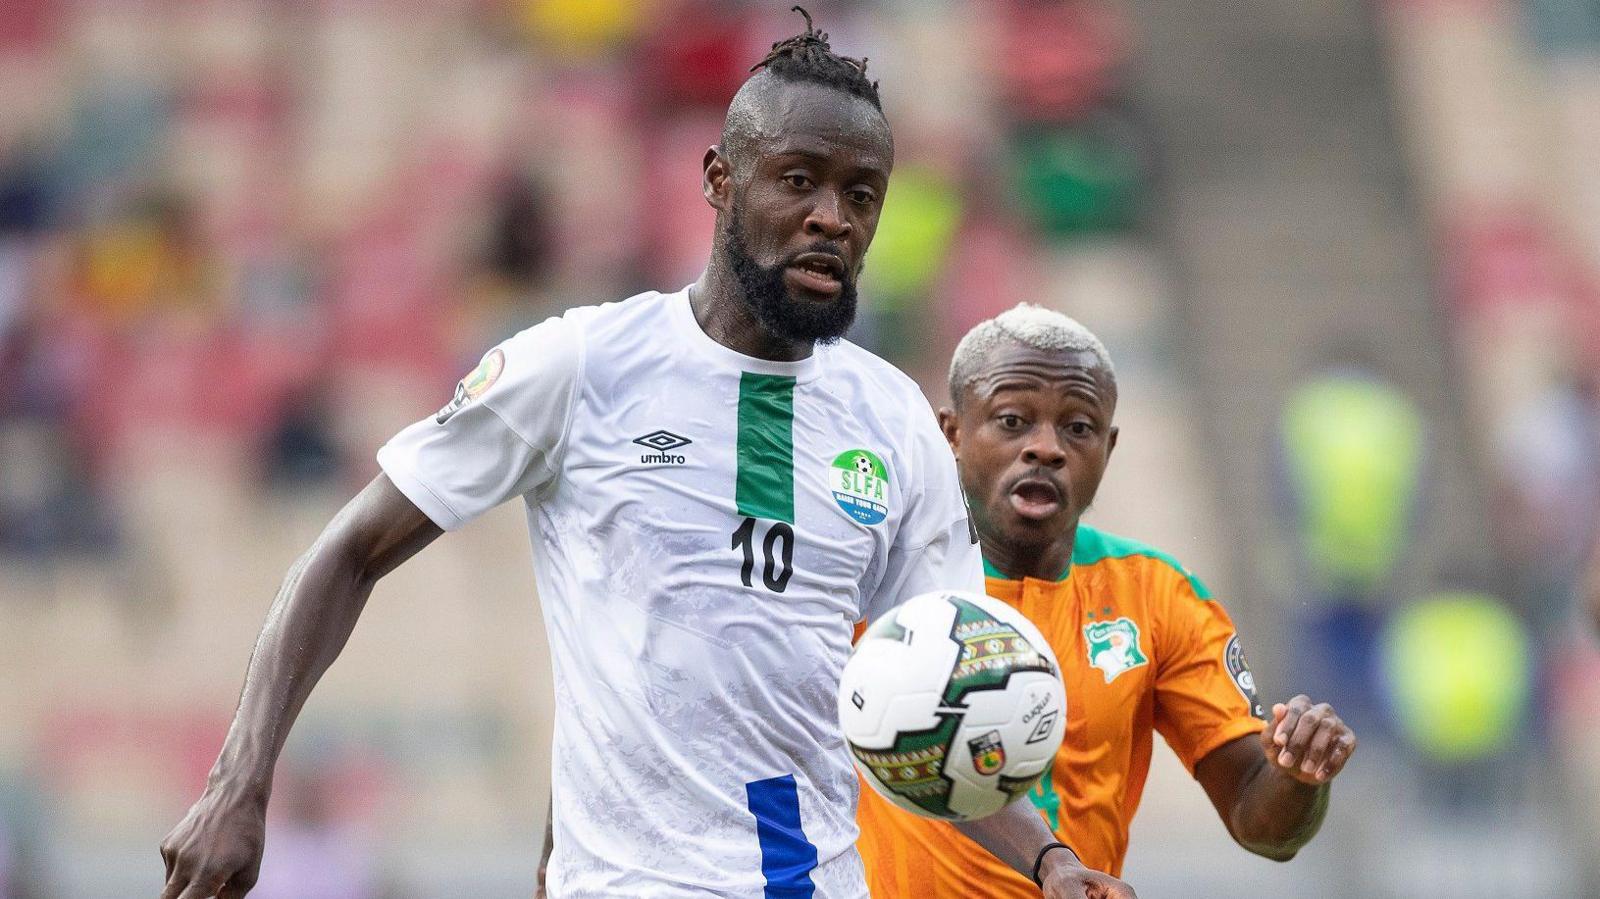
(803, 212)
(1032, 441)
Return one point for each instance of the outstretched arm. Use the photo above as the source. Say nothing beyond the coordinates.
(1272, 790)
(216, 849)
(1016, 835)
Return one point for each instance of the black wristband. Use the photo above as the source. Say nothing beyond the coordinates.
(1038, 861)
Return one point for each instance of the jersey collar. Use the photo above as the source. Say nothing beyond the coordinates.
(684, 322)
(992, 572)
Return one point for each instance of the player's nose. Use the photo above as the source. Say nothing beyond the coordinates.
(1044, 448)
(826, 218)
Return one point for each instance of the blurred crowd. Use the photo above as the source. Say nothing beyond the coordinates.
(251, 237)
(211, 215)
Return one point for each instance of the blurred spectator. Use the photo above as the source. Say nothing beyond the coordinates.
(1549, 470)
(1059, 60)
(1351, 447)
(520, 245)
(580, 28)
(301, 446)
(1458, 672)
(919, 221)
(1084, 178)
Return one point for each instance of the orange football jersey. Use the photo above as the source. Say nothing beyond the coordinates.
(1142, 648)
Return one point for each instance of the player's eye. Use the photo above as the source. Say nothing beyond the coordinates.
(797, 180)
(862, 196)
(1080, 429)
(1010, 422)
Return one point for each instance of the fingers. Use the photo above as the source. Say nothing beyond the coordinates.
(1284, 721)
(1344, 746)
(198, 890)
(1269, 733)
(1309, 741)
(1316, 753)
(1110, 888)
(1296, 740)
(239, 884)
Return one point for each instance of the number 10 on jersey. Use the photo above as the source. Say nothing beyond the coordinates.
(777, 550)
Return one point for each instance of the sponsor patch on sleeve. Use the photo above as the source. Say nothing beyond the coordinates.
(1239, 670)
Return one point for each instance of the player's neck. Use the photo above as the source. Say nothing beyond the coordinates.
(728, 320)
(1017, 562)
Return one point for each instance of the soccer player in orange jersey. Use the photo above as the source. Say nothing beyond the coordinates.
(1142, 645)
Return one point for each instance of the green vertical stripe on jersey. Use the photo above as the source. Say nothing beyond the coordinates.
(765, 485)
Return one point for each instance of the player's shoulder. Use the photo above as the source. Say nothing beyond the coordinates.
(846, 359)
(581, 330)
(1135, 558)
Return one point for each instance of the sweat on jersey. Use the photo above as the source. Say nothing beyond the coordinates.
(1142, 648)
(707, 528)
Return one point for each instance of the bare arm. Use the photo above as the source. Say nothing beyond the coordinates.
(1016, 834)
(1272, 790)
(216, 849)
(549, 847)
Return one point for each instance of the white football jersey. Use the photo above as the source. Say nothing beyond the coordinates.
(707, 529)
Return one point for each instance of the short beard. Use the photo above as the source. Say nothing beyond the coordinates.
(763, 292)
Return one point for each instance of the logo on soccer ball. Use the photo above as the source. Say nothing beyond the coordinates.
(1047, 723)
(1114, 646)
(475, 384)
(988, 755)
(1239, 670)
(860, 485)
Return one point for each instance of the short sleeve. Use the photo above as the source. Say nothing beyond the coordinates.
(1205, 693)
(936, 547)
(502, 433)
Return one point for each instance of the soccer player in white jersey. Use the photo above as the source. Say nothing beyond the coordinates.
(717, 489)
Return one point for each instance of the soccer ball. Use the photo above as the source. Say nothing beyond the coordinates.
(952, 705)
(863, 465)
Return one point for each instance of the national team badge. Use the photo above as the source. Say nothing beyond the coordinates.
(1114, 646)
(988, 754)
(860, 485)
(475, 384)
(1239, 670)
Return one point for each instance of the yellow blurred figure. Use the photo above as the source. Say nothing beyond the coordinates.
(580, 27)
(1458, 665)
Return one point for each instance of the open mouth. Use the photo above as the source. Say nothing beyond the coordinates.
(1035, 499)
(819, 273)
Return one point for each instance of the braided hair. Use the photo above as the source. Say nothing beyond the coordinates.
(807, 57)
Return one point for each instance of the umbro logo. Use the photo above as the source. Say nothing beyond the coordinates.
(663, 442)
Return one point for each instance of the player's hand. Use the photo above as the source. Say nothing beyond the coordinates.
(1070, 880)
(215, 851)
(538, 891)
(1307, 742)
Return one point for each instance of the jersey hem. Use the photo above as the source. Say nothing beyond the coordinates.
(1220, 736)
(418, 491)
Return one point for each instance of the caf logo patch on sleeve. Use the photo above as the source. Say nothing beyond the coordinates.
(1239, 670)
(475, 384)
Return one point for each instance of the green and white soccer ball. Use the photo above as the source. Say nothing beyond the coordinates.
(952, 705)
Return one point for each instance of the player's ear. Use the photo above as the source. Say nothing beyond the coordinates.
(717, 178)
(951, 426)
(1111, 441)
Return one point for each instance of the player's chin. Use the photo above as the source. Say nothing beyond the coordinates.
(1018, 529)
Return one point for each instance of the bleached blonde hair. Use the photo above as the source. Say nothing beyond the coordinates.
(1029, 325)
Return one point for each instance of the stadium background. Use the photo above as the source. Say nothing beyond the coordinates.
(1345, 256)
